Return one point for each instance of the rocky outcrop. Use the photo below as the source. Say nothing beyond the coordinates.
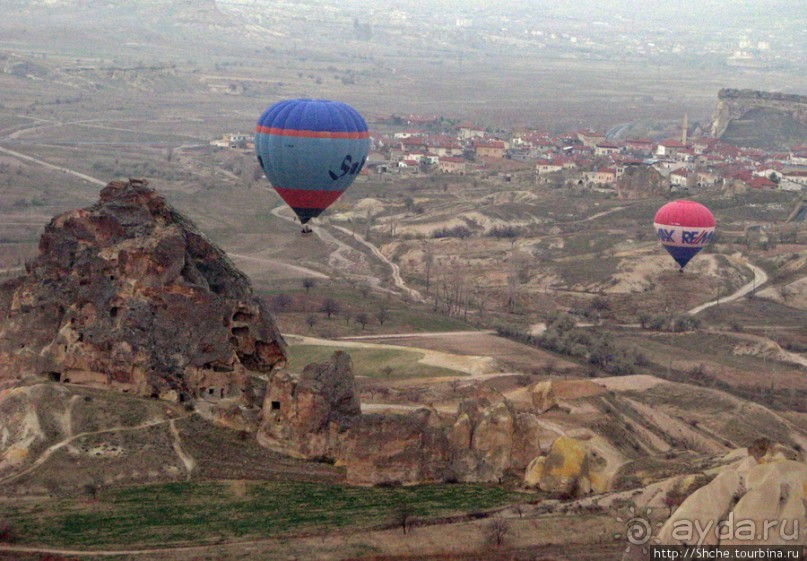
(573, 466)
(302, 415)
(128, 295)
(315, 415)
(543, 397)
(760, 119)
(766, 486)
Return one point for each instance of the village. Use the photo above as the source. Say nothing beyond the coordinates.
(427, 145)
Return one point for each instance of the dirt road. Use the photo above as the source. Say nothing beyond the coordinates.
(760, 278)
(396, 271)
(82, 176)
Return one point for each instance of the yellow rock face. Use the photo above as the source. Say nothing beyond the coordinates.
(566, 467)
(532, 477)
(543, 397)
(16, 455)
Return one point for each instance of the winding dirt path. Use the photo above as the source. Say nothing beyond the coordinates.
(396, 271)
(760, 278)
(61, 444)
(186, 458)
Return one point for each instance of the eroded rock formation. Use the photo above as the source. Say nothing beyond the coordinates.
(760, 119)
(767, 484)
(127, 294)
(316, 415)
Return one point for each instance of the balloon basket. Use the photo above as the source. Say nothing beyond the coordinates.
(306, 230)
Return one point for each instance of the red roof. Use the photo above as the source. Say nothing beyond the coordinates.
(672, 144)
(758, 182)
(491, 144)
(452, 160)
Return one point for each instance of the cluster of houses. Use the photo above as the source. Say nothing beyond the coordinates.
(580, 158)
(588, 157)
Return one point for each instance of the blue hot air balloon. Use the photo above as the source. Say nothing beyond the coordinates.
(311, 150)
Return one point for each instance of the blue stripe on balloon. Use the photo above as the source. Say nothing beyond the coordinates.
(682, 255)
(303, 163)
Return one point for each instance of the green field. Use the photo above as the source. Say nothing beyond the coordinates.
(214, 512)
(370, 362)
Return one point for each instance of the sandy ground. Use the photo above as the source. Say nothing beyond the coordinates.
(634, 383)
(510, 355)
(475, 365)
(793, 294)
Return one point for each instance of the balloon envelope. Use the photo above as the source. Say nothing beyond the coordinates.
(684, 228)
(311, 150)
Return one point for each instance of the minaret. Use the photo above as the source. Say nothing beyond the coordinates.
(684, 130)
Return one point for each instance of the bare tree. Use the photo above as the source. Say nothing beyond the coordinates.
(428, 261)
(387, 371)
(519, 508)
(362, 319)
(382, 314)
(347, 314)
(497, 529)
(329, 307)
(403, 516)
(257, 173)
(281, 302)
(92, 489)
(308, 284)
(8, 534)
(311, 321)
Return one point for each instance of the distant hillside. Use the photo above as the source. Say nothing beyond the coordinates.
(767, 120)
(159, 13)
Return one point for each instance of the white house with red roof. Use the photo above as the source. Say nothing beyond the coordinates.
(682, 177)
(640, 145)
(409, 165)
(795, 176)
(489, 149)
(542, 167)
(669, 148)
(452, 165)
(798, 156)
(467, 131)
(590, 138)
(606, 148)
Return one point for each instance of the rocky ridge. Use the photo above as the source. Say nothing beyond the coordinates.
(316, 415)
(129, 295)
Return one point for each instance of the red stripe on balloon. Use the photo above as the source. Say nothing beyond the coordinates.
(311, 134)
(685, 213)
(301, 198)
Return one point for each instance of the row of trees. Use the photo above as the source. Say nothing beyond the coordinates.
(331, 308)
